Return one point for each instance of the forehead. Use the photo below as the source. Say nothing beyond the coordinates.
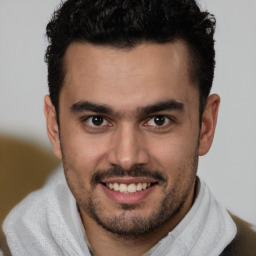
(127, 77)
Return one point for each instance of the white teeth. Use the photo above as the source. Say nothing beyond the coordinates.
(144, 185)
(131, 188)
(139, 187)
(128, 188)
(123, 188)
(116, 187)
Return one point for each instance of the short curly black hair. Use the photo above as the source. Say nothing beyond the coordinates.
(127, 23)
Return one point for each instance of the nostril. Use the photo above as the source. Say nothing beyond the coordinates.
(127, 155)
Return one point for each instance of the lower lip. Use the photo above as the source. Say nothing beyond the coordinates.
(127, 198)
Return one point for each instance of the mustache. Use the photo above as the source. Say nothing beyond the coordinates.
(118, 171)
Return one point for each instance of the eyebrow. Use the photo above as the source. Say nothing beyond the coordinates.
(162, 106)
(82, 106)
(89, 106)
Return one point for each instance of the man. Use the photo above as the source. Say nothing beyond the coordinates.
(129, 113)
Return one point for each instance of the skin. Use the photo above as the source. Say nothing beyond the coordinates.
(129, 83)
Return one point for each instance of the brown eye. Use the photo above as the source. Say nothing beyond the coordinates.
(158, 121)
(96, 121)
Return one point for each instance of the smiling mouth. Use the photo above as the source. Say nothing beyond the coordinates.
(128, 188)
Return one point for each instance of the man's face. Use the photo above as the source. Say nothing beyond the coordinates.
(129, 134)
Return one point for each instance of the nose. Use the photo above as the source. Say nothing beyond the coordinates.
(128, 148)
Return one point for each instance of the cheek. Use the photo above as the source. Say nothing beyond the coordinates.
(81, 157)
(173, 152)
(82, 152)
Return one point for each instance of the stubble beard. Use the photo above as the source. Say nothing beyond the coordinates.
(133, 226)
(129, 225)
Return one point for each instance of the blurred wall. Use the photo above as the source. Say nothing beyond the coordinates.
(230, 166)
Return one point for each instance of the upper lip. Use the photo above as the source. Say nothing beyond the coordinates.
(128, 180)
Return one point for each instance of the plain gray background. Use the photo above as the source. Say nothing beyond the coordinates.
(229, 168)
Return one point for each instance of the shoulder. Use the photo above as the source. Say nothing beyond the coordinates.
(244, 242)
(35, 203)
(30, 218)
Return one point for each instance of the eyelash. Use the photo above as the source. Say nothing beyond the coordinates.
(85, 120)
(169, 120)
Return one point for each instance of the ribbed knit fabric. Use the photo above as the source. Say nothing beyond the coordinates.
(47, 223)
(205, 231)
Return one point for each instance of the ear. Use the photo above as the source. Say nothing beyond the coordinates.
(208, 125)
(52, 126)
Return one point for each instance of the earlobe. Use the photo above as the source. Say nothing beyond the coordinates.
(52, 126)
(208, 125)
